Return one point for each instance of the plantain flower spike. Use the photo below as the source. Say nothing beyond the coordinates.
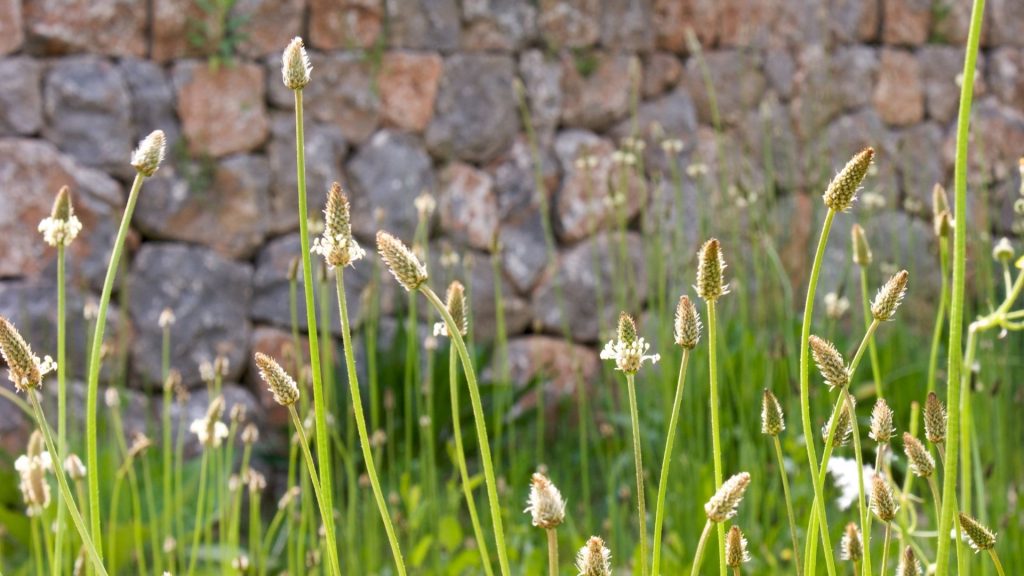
(24, 368)
(61, 227)
(942, 220)
(736, 548)
(283, 386)
(545, 504)
(336, 245)
(883, 503)
(147, 157)
(594, 559)
(722, 506)
(688, 326)
(889, 297)
(629, 350)
(295, 67)
(842, 191)
(455, 302)
(861, 248)
(402, 263)
(978, 536)
(830, 362)
(711, 272)
(844, 427)
(882, 427)
(909, 565)
(32, 468)
(921, 462)
(934, 419)
(1003, 251)
(772, 420)
(851, 547)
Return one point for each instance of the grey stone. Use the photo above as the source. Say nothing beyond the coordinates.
(662, 72)
(671, 116)
(475, 117)
(21, 101)
(388, 173)
(542, 79)
(844, 138)
(551, 365)
(423, 24)
(467, 206)
(515, 179)
(940, 66)
(737, 80)
(780, 70)
(1006, 76)
(152, 99)
(595, 98)
(848, 21)
(88, 113)
(210, 298)
(1007, 22)
(919, 167)
(570, 23)
(498, 25)
(590, 277)
(997, 140)
(829, 85)
(626, 25)
(524, 253)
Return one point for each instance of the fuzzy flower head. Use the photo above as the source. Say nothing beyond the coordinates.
(978, 536)
(921, 462)
(941, 219)
(687, 326)
(882, 427)
(336, 245)
(425, 205)
(711, 272)
(280, 383)
(830, 362)
(1002, 251)
(32, 468)
(62, 226)
(456, 305)
(883, 503)
(889, 297)
(545, 504)
(861, 249)
(295, 67)
(24, 368)
(772, 420)
(74, 467)
(736, 548)
(722, 506)
(934, 419)
(629, 350)
(844, 426)
(909, 565)
(210, 431)
(842, 191)
(851, 547)
(147, 157)
(594, 559)
(401, 262)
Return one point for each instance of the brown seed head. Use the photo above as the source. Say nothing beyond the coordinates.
(62, 209)
(722, 506)
(861, 248)
(147, 157)
(402, 263)
(842, 191)
(934, 419)
(456, 304)
(283, 386)
(711, 272)
(594, 559)
(851, 548)
(844, 426)
(830, 362)
(772, 419)
(688, 326)
(978, 535)
(909, 566)
(889, 297)
(921, 462)
(882, 427)
(735, 548)
(883, 503)
(23, 367)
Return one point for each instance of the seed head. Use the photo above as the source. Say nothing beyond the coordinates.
(889, 297)
(337, 245)
(283, 386)
(882, 428)
(32, 468)
(851, 548)
(1003, 250)
(147, 157)
(844, 426)
(545, 503)
(978, 536)
(627, 328)
(74, 467)
(722, 506)
(688, 324)
(909, 566)
(934, 419)
(250, 434)
(861, 248)
(210, 431)
(629, 351)
(943, 224)
(772, 420)
(166, 319)
(140, 443)
(62, 226)
(830, 362)
(24, 368)
(402, 263)
(455, 302)
(883, 503)
(594, 559)
(735, 548)
(842, 191)
(295, 67)
(921, 462)
(941, 216)
(711, 272)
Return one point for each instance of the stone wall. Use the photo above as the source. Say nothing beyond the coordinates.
(412, 96)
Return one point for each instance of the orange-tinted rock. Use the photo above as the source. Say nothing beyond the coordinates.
(114, 27)
(467, 205)
(268, 25)
(176, 27)
(558, 365)
(906, 22)
(596, 98)
(899, 96)
(343, 93)
(11, 33)
(408, 84)
(222, 111)
(570, 23)
(662, 72)
(672, 18)
(342, 24)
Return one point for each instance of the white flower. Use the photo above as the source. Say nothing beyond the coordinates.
(844, 471)
(629, 356)
(209, 433)
(836, 306)
(545, 504)
(35, 490)
(425, 204)
(594, 559)
(331, 245)
(672, 146)
(57, 232)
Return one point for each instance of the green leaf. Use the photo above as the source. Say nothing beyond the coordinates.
(450, 533)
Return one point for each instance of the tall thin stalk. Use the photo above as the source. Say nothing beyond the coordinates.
(318, 492)
(716, 440)
(552, 552)
(666, 461)
(789, 504)
(641, 505)
(698, 557)
(62, 410)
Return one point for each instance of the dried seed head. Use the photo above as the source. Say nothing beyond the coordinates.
(545, 504)
(336, 244)
(829, 362)
(293, 269)
(62, 226)
(627, 332)
(934, 419)
(402, 263)
(722, 506)
(256, 481)
(941, 215)
(861, 248)
(140, 443)
(250, 434)
(295, 67)
(842, 191)
(1003, 250)
(147, 157)
(74, 467)
(24, 368)
(882, 427)
(909, 566)
(735, 548)
(889, 297)
(772, 420)
(978, 536)
(455, 302)
(883, 503)
(688, 324)
(594, 559)
(166, 319)
(844, 426)
(921, 462)
(851, 548)
(711, 272)
(283, 386)
(32, 468)
(943, 224)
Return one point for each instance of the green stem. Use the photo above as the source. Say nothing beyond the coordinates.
(934, 486)
(552, 552)
(666, 462)
(332, 551)
(885, 547)
(460, 455)
(639, 465)
(357, 409)
(62, 415)
(860, 467)
(481, 426)
(716, 440)
(789, 504)
(698, 558)
(62, 482)
(92, 394)
(876, 367)
(933, 357)
(995, 560)
(956, 312)
(167, 446)
(197, 529)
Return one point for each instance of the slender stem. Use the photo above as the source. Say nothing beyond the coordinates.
(552, 552)
(956, 312)
(481, 426)
(805, 406)
(885, 547)
(460, 455)
(62, 414)
(35, 524)
(332, 551)
(197, 529)
(995, 560)
(357, 409)
(92, 394)
(933, 357)
(876, 369)
(638, 463)
(699, 556)
(716, 439)
(862, 507)
(934, 486)
(666, 462)
(62, 482)
(167, 446)
(789, 504)
(323, 446)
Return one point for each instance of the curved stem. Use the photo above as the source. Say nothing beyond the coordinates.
(552, 552)
(789, 504)
(933, 485)
(699, 556)
(933, 357)
(995, 560)
(332, 551)
(666, 463)
(862, 507)
(460, 455)
(481, 426)
(639, 465)
(357, 410)
(716, 437)
(876, 369)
